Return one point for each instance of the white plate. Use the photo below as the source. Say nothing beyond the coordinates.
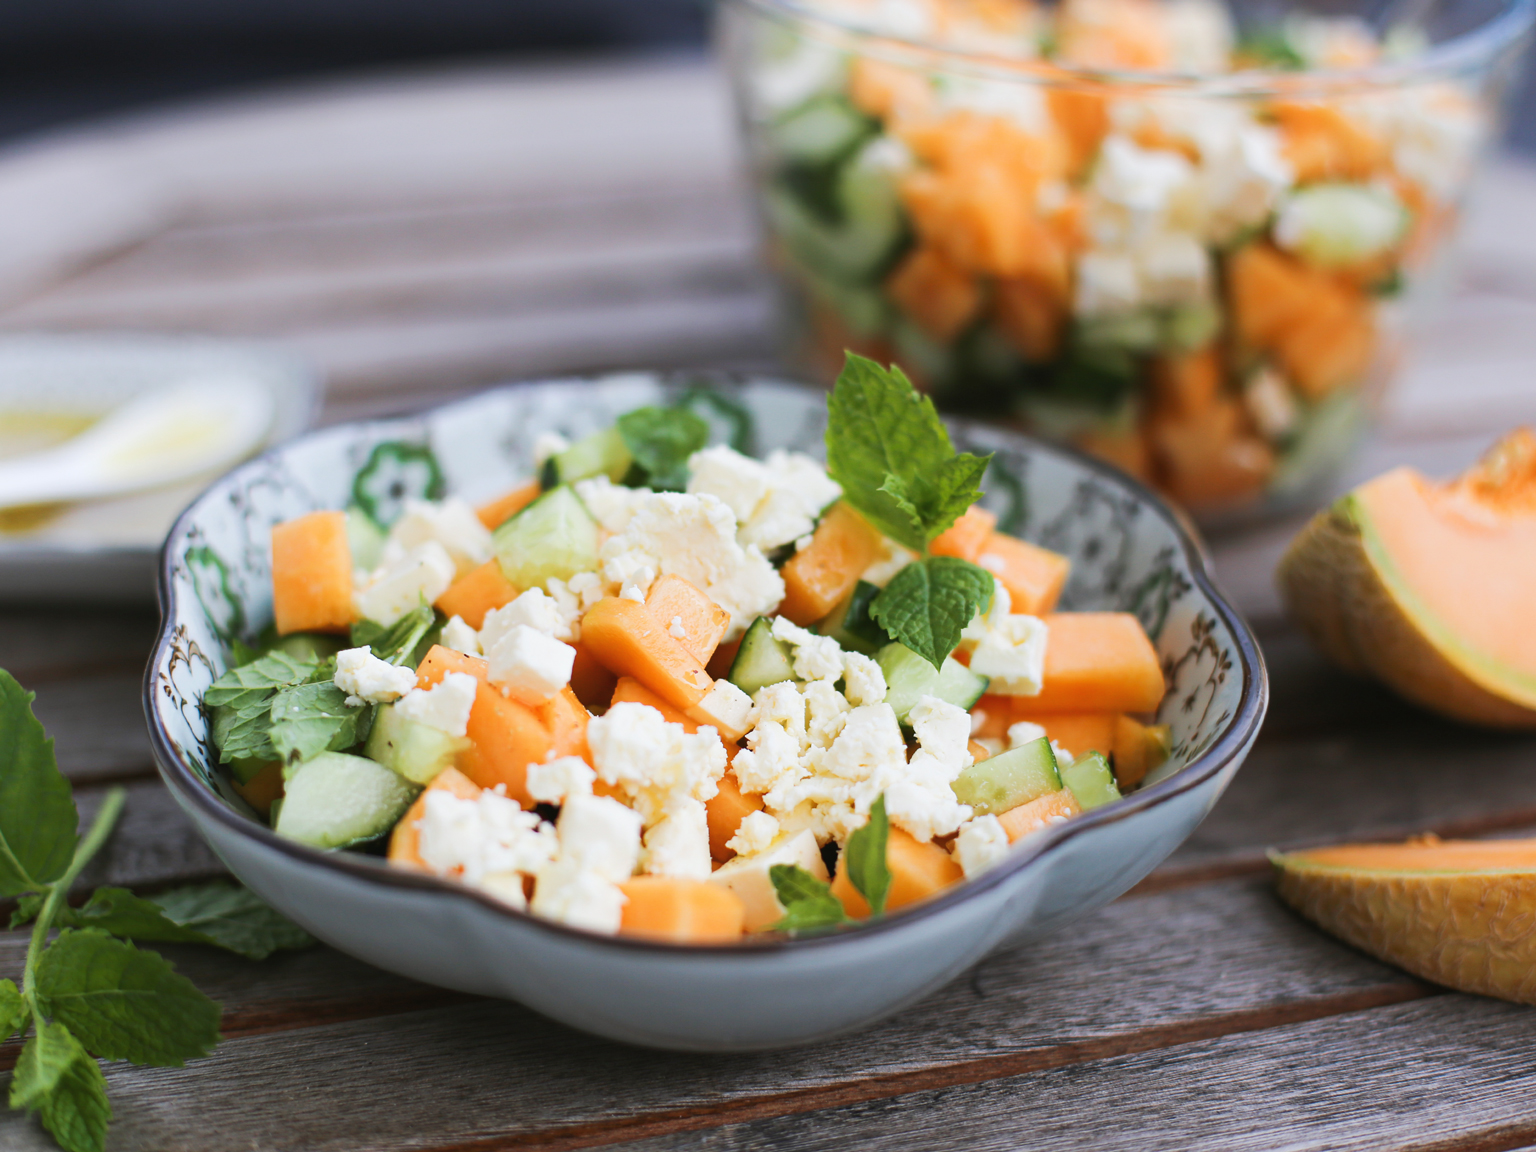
(103, 551)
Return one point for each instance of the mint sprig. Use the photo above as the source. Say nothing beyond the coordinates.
(88, 994)
(895, 462)
(809, 904)
(661, 440)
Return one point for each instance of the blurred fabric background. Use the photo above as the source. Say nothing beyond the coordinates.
(75, 59)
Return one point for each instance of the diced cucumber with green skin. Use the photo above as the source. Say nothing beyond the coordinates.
(364, 538)
(1010, 778)
(410, 748)
(553, 536)
(762, 659)
(820, 131)
(600, 454)
(333, 800)
(909, 677)
(861, 248)
(851, 625)
(1091, 780)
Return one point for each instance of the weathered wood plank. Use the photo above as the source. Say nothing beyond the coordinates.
(1227, 958)
(45, 644)
(97, 725)
(1451, 1073)
(153, 846)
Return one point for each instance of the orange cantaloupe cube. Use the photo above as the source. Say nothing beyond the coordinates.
(681, 911)
(1207, 457)
(405, 840)
(625, 638)
(475, 593)
(505, 736)
(995, 714)
(262, 789)
(1188, 384)
(312, 574)
(565, 718)
(966, 537)
(1032, 315)
(979, 751)
(498, 511)
(726, 810)
(703, 621)
(817, 577)
(885, 90)
(1321, 143)
(918, 870)
(1078, 732)
(1034, 576)
(1328, 350)
(592, 683)
(1095, 662)
(1041, 812)
(940, 297)
(1268, 292)
(1134, 756)
(1083, 117)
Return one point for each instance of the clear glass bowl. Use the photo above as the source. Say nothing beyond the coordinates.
(1185, 238)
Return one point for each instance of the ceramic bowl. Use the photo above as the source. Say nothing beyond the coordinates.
(1128, 552)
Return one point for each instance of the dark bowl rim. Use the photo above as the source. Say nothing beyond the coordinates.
(1241, 729)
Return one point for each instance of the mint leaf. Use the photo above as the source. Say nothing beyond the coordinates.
(27, 908)
(864, 857)
(661, 440)
(315, 718)
(37, 813)
(232, 917)
(13, 1010)
(125, 1004)
(244, 733)
(929, 602)
(890, 453)
(808, 902)
(250, 683)
(398, 643)
(57, 1077)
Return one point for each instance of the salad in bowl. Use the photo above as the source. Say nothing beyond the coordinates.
(665, 689)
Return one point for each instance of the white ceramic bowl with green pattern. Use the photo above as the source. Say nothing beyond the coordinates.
(1128, 552)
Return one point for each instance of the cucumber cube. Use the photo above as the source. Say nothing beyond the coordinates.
(553, 536)
(761, 660)
(1009, 779)
(908, 678)
(600, 454)
(410, 748)
(1091, 781)
(851, 625)
(334, 800)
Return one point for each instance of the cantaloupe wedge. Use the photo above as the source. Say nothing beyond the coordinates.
(681, 911)
(312, 574)
(1458, 912)
(405, 840)
(475, 593)
(625, 638)
(1078, 732)
(918, 871)
(565, 719)
(498, 511)
(505, 736)
(679, 605)
(941, 297)
(1138, 749)
(725, 811)
(1095, 662)
(1321, 142)
(966, 537)
(1428, 586)
(1042, 812)
(818, 576)
(1034, 576)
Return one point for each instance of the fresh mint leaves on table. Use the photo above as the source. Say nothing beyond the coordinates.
(893, 458)
(90, 993)
(661, 440)
(810, 906)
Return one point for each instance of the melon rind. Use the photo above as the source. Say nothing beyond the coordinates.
(1473, 931)
(1340, 600)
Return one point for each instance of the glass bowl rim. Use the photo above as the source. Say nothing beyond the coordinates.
(1473, 51)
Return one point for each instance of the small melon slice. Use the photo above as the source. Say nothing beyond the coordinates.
(919, 869)
(818, 576)
(475, 593)
(312, 574)
(1095, 662)
(1458, 912)
(681, 911)
(1427, 586)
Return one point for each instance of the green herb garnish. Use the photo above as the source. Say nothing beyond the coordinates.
(810, 906)
(89, 993)
(661, 440)
(397, 643)
(893, 458)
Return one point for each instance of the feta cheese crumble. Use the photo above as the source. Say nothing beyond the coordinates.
(450, 523)
(553, 780)
(489, 834)
(656, 765)
(367, 679)
(399, 586)
(444, 706)
(528, 664)
(981, 844)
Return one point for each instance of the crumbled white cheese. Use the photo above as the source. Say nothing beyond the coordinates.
(815, 657)
(460, 637)
(586, 586)
(444, 706)
(489, 834)
(553, 780)
(367, 679)
(1024, 732)
(678, 843)
(568, 606)
(528, 664)
(611, 504)
(755, 833)
(547, 444)
(981, 844)
(979, 719)
(532, 609)
(506, 887)
(676, 629)
(632, 592)
(656, 765)
(726, 708)
(922, 800)
(804, 542)
(451, 523)
(1007, 647)
(578, 898)
(863, 679)
(599, 835)
(893, 561)
(1270, 403)
(693, 536)
(421, 575)
(749, 876)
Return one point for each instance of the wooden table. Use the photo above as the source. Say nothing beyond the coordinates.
(423, 236)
